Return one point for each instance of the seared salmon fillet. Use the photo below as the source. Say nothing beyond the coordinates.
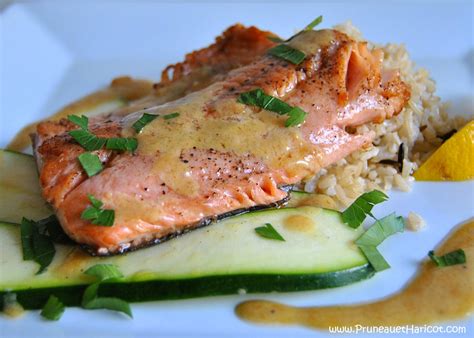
(218, 156)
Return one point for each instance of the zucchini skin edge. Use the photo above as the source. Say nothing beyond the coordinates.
(151, 290)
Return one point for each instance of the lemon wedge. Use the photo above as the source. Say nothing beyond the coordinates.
(453, 161)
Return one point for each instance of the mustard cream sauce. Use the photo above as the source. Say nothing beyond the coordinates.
(209, 120)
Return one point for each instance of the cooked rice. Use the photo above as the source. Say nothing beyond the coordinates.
(417, 127)
(415, 222)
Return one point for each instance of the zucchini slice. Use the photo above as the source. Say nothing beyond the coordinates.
(20, 194)
(224, 258)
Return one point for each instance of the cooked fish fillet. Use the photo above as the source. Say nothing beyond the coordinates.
(219, 156)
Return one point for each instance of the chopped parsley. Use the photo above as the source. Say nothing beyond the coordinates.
(143, 121)
(268, 231)
(91, 299)
(287, 53)
(451, 258)
(83, 136)
(82, 121)
(87, 140)
(122, 144)
(314, 23)
(50, 226)
(296, 117)
(308, 27)
(104, 272)
(383, 228)
(53, 309)
(90, 142)
(257, 97)
(91, 163)
(36, 246)
(375, 235)
(97, 215)
(171, 116)
(374, 257)
(356, 213)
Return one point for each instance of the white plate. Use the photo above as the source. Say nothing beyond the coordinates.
(54, 52)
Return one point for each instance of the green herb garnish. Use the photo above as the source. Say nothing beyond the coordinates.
(143, 121)
(87, 140)
(374, 257)
(82, 136)
(91, 300)
(104, 272)
(82, 121)
(287, 53)
(356, 213)
(268, 231)
(122, 144)
(170, 116)
(91, 142)
(296, 117)
(381, 229)
(451, 258)
(375, 235)
(309, 27)
(257, 97)
(97, 215)
(275, 39)
(314, 23)
(53, 309)
(36, 246)
(50, 226)
(91, 163)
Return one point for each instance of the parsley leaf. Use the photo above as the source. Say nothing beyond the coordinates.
(356, 213)
(122, 143)
(108, 303)
(257, 97)
(87, 140)
(374, 257)
(297, 116)
(287, 53)
(375, 235)
(36, 246)
(91, 300)
(451, 258)
(91, 163)
(81, 121)
(268, 231)
(53, 309)
(382, 229)
(314, 23)
(170, 116)
(98, 216)
(104, 272)
(309, 27)
(143, 121)
(51, 226)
